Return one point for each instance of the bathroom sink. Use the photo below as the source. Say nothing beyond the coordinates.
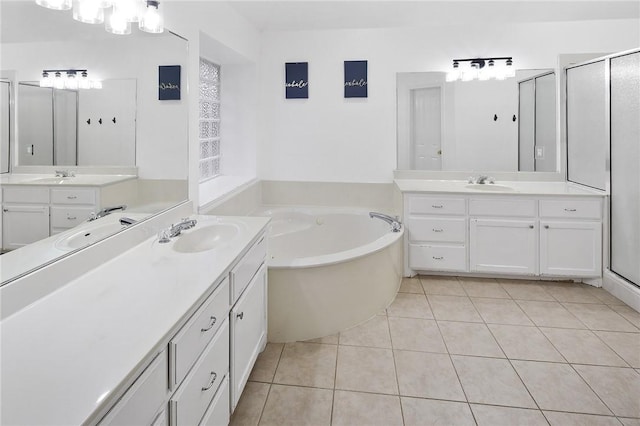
(87, 235)
(207, 237)
(491, 187)
(53, 180)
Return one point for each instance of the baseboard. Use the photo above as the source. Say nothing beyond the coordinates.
(622, 289)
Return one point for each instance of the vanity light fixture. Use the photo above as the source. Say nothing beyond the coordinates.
(117, 15)
(481, 69)
(73, 79)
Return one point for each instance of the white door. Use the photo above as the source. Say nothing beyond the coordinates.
(503, 246)
(4, 126)
(22, 225)
(571, 248)
(35, 125)
(426, 134)
(526, 126)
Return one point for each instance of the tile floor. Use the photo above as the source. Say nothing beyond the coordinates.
(461, 351)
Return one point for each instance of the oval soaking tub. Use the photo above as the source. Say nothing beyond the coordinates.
(329, 269)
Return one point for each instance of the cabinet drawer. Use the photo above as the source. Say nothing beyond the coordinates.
(201, 327)
(25, 195)
(571, 209)
(189, 403)
(439, 258)
(218, 412)
(426, 228)
(511, 207)
(141, 403)
(73, 196)
(68, 217)
(245, 270)
(434, 205)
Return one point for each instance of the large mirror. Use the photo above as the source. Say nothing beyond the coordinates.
(149, 136)
(492, 125)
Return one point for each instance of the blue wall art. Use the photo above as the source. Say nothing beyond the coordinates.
(168, 82)
(355, 79)
(296, 80)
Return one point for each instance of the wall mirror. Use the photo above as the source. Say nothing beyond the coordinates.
(492, 125)
(34, 39)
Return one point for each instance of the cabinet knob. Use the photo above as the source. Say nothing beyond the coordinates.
(213, 321)
(531, 226)
(213, 376)
(240, 315)
(546, 227)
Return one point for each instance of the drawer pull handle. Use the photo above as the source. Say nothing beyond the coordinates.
(438, 258)
(436, 206)
(213, 376)
(437, 230)
(240, 315)
(71, 197)
(546, 227)
(569, 210)
(71, 217)
(531, 226)
(213, 321)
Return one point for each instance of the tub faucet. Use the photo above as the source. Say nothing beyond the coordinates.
(106, 211)
(395, 223)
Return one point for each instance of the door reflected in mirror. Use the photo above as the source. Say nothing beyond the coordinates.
(494, 125)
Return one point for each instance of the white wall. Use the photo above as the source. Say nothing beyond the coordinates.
(329, 138)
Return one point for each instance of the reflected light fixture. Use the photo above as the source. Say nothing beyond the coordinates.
(117, 15)
(72, 79)
(481, 69)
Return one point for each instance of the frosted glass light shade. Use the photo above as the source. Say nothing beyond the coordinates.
(152, 20)
(130, 10)
(117, 24)
(88, 11)
(55, 4)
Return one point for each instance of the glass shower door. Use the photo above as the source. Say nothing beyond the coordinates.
(625, 169)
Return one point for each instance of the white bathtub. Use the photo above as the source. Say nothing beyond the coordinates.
(329, 269)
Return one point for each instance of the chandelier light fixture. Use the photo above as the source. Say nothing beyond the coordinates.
(482, 69)
(72, 79)
(117, 15)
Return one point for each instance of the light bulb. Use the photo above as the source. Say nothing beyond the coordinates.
(88, 11)
(152, 21)
(55, 4)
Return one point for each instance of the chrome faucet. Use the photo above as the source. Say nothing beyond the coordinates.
(64, 173)
(395, 223)
(481, 180)
(176, 229)
(106, 211)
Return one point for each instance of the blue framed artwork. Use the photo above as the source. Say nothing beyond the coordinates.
(168, 82)
(355, 79)
(296, 80)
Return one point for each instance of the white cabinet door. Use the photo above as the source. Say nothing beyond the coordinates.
(22, 225)
(503, 246)
(571, 248)
(248, 332)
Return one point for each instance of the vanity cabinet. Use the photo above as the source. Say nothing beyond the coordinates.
(25, 216)
(71, 207)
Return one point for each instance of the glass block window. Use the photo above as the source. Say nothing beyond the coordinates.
(209, 131)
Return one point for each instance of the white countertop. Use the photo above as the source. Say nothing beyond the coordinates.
(65, 355)
(514, 188)
(50, 180)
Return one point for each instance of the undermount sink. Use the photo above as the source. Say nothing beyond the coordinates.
(87, 235)
(53, 180)
(205, 237)
(489, 187)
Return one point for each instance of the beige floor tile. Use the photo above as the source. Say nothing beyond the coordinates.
(307, 364)
(525, 343)
(427, 375)
(411, 285)
(574, 293)
(487, 415)
(265, 366)
(330, 340)
(480, 287)
(415, 334)
(628, 313)
(430, 412)
(250, 406)
(410, 306)
(297, 406)
(453, 308)
(526, 290)
(604, 296)
(571, 419)
(549, 314)
(558, 387)
(354, 408)
(600, 317)
(366, 369)
(500, 311)
(465, 338)
(445, 286)
(491, 381)
(627, 345)
(374, 332)
(619, 388)
(582, 347)
(630, 422)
